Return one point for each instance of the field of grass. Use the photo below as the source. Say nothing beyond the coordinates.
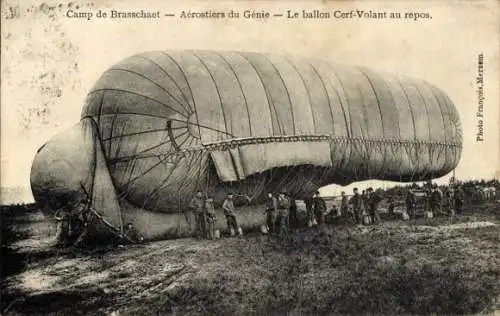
(418, 267)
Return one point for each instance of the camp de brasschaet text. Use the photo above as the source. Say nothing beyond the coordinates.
(250, 14)
(113, 14)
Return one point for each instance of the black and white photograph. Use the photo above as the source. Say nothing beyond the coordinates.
(250, 158)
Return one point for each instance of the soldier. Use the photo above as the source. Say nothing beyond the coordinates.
(63, 232)
(410, 203)
(435, 200)
(283, 207)
(309, 210)
(228, 207)
(86, 217)
(344, 207)
(458, 199)
(391, 206)
(451, 201)
(373, 199)
(197, 205)
(271, 209)
(292, 213)
(428, 191)
(211, 218)
(319, 207)
(446, 200)
(357, 205)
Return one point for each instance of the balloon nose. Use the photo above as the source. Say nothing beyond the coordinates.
(62, 165)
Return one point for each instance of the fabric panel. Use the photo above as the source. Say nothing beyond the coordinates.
(259, 157)
(208, 106)
(276, 91)
(103, 195)
(232, 100)
(261, 121)
(224, 166)
(323, 120)
(300, 104)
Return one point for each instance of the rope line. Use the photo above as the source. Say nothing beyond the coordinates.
(356, 141)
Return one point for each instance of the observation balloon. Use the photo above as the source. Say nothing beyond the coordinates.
(158, 126)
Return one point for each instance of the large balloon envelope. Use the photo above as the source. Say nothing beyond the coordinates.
(158, 126)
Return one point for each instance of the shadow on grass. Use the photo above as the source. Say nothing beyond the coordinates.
(65, 302)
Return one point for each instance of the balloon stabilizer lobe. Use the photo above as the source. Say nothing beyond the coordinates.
(158, 126)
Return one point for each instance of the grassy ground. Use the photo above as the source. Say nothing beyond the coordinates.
(418, 267)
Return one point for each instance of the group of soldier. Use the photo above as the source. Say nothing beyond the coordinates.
(281, 212)
(362, 207)
(448, 200)
(73, 223)
(205, 217)
(75, 220)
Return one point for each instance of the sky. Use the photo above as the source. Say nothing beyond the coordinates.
(50, 61)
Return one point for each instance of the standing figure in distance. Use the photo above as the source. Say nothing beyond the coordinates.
(211, 218)
(63, 232)
(458, 198)
(391, 205)
(293, 212)
(373, 199)
(271, 210)
(410, 203)
(197, 205)
(319, 206)
(357, 205)
(436, 200)
(283, 208)
(448, 200)
(344, 207)
(309, 210)
(228, 207)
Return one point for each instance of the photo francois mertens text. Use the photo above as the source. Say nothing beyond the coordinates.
(250, 158)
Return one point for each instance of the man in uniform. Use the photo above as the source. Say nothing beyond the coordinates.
(86, 217)
(344, 207)
(309, 209)
(458, 199)
(410, 203)
(391, 205)
(293, 213)
(319, 208)
(62, 217)
(211, 218)
(283, 208)
(446, 206)
(364, 198)
(228, 207)
(271, 210)
(373, 199)
(197, 205)
(357, 204)
(435, 200)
